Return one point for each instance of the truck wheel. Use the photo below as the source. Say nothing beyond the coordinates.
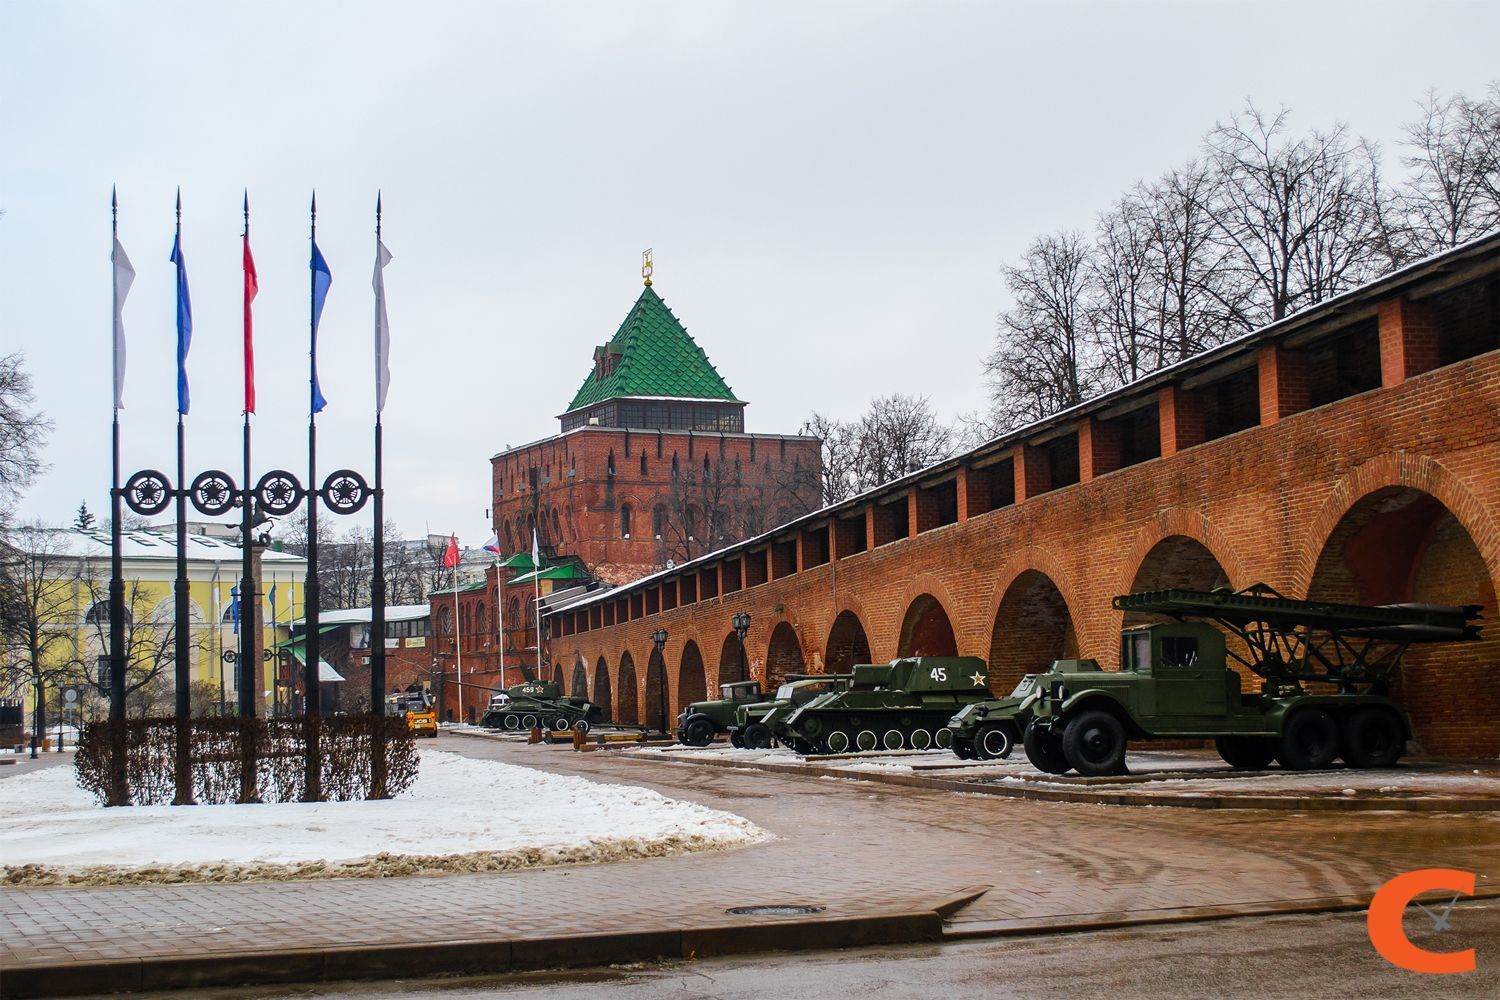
(757, 737)
(698, 733)
(963, 749)
(1044, 750)
(1373, 737)
(1094, 743)
(735, 739)
(1309, 739)
(1246, 753)
(838, 741)
(993, 742)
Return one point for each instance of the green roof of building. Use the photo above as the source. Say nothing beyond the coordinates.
(567, 571)
(463, 588)
(656, 358)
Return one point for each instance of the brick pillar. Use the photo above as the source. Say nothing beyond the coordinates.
(801, 555)
(869, 526)
(1181, 421)
(1098, 448)
(1032, 478)
(1283, 384)
(1408, 340)
(913, 516)
(961, 491)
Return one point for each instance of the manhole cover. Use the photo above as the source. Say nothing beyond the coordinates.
(773, 911)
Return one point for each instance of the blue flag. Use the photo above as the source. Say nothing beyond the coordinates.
(184, 324)
(273, 603)
(234, 607)
(321, 279)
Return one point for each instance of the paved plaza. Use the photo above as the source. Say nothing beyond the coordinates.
(854, 848)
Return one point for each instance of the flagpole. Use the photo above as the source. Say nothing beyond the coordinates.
(184, 760)
(536, 579)
(312, 790)
(248, 598)
(458, 636)
(118, 794)
(500, 615)
(377, 583)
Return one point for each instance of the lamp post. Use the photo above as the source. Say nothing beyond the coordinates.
(741, 623)
(659, 640)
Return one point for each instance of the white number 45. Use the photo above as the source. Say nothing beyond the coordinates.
(940, 673)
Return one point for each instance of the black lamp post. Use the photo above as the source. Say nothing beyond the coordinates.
(659, 639)
(741, 623)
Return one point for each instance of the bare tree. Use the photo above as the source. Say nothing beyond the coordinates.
(150, 644)
(1297, 215)
(1042, 361)
(23, 432)
(896, 435)
(1452, 194)
(39, 614)
(840, 453)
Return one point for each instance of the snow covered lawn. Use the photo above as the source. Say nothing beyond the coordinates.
(462, 815)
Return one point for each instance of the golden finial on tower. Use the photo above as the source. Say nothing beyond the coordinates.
(646, 266)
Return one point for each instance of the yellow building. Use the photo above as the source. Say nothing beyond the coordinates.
(68, 572)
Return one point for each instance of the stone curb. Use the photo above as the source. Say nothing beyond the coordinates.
(1071, 923)
(471, 957)
(1112, 797)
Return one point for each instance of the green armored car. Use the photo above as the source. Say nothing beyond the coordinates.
(902, 704)
(1325, 672)
(701, 721)
(758, 726)
(540, 703)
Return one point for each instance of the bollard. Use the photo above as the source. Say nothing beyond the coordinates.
(579, 736)
(536, 735)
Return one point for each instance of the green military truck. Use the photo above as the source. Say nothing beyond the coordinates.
(903, 704)
(758, 726)
(540, 703)
(1325, 672)
(701, 721)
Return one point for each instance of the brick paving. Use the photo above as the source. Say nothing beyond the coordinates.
(855, 847)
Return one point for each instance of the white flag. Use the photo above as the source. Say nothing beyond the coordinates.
(536, 551)
(124, 276)
(382, 328)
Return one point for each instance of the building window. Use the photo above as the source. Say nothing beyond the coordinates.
(445, 621)
(624, 520)
(658, 520)
(675, 471)
(643, 463)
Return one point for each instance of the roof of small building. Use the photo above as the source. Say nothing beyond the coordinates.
(160, 542)
(656, 358)
(358, 616)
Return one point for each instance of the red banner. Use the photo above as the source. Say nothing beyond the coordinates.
(251, 287)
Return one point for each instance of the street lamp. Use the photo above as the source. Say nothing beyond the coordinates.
(741, 623)
(659, 639)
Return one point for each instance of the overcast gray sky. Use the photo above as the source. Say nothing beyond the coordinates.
(830, 189)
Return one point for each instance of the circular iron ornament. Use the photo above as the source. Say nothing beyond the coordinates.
(148, 492)
(265, 654)
(212, 493)
(279, 492)
(345, 491)
(229, 656)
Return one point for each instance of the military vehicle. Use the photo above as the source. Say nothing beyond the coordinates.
(701, 721)
(757, 726)
(1325, 672)
(540, 703)
(902, 704)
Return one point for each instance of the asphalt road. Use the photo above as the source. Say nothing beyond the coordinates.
(1311, 956)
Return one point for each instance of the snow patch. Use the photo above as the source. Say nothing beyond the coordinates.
(461, 815)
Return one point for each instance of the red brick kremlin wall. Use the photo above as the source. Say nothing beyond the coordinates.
(1350, 453)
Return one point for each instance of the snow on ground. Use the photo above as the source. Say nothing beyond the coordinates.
(460, 815)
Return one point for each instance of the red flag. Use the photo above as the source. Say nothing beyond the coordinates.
(450, 558)
(251, 287)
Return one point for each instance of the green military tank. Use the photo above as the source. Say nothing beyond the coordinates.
(904, 704)
(540, 703)
(1325, 671)
(701, 721)
(758, 726)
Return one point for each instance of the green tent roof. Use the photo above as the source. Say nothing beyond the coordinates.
(463, 588)
(567, 571)
(656, 358)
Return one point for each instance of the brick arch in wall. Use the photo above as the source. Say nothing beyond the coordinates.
(580, 685)
(558, 678)
(1400, 543)
(783, 655)
(848, 643)
(602, 694)
(627, 688)
(927, 629)
(734, 660)
(692, 680)
(1032, 620)
(654, 704)
(920, 584)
